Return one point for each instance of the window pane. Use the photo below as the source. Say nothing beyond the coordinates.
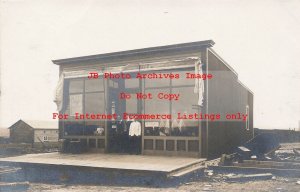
(94, 103)
(183, 80)
(157, 83)
(94, 85)
(76, 104)
(188, 98)
(76, 86)
(73, 128)
(131, 104)
(155, 105)
(132, 83)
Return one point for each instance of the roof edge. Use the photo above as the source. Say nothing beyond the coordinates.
(225, 63)
(206, 43)
(231, 68)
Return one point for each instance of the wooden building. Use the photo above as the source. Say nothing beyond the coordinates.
(214, 97)
(25, 131)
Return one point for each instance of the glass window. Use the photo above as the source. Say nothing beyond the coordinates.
(92, 85)
(187, 99)
(85, 95)
(182, 80)
(45, 138)
(76, 86)
(131, 104)
(154, 83)
(76, 103)
(132, 83)
(72, 128)
(155, 105)
(94, 103)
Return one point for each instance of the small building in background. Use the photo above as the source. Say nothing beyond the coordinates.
(25, 131)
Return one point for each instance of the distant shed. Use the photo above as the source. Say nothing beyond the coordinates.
(24, 131)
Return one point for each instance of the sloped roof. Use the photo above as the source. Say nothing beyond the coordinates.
(38, 124)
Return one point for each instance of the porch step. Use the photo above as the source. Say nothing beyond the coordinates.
(187, 169)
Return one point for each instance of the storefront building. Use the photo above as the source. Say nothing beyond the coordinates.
(177, 100)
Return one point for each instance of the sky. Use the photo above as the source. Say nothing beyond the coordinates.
(260, 39)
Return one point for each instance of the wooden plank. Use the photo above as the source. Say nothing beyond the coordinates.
(254, 170)
(247, 177)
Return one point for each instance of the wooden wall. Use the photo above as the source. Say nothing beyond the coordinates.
(51, 134)
(20, 132)
(226, 95)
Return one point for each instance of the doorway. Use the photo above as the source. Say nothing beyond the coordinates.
(119, 140)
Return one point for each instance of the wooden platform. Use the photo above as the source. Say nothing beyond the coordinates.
(102, 166)
(113, 161)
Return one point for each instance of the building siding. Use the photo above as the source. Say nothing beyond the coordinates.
(226, 96)
(20, 132)
(52, 135)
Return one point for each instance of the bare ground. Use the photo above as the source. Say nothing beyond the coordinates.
(276, 185)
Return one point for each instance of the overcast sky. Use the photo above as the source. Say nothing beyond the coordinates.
(259, 39)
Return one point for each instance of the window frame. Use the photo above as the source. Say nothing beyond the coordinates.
(247, 120)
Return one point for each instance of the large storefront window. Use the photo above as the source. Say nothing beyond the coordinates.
(85, 96)
(186, 104)
(88, 96)
(157, 106)
(76, 96)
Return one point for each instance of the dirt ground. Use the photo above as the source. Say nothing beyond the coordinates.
(276, 185)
